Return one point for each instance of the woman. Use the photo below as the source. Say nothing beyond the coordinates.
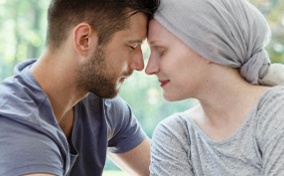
(213, 50)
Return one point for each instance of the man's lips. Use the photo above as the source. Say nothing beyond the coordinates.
(164, 82)
(122, 79)
(125, 76)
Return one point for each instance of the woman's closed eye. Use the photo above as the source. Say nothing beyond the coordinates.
(160, 51)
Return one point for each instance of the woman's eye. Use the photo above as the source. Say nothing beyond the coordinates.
(161, 52)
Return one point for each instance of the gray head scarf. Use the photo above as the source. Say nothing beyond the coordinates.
(227, 32)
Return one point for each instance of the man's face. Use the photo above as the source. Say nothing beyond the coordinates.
(113, 62)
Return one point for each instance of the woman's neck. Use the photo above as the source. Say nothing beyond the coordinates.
(225, 102)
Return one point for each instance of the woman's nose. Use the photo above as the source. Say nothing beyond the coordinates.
(152, 66)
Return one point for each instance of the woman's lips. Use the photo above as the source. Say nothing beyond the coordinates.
(164, 82)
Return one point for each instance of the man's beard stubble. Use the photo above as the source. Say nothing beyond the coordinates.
(96, 77)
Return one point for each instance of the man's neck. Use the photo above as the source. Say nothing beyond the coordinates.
(57, 77)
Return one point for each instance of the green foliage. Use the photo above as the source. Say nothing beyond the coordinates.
(273, 12)
(22, 29)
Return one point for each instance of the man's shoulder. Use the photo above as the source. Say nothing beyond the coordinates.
(18, 94)
(22, 100)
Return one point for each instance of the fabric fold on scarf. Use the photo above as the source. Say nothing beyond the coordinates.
(227, 32)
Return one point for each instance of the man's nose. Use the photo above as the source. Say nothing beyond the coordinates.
(137, 61)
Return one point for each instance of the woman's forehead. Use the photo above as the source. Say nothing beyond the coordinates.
(158, 33)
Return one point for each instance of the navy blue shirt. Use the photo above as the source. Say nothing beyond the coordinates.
(31, 140)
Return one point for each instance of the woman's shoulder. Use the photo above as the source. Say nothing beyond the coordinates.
(176, 120)
(272, 99)
(270, 111)
(178, 124)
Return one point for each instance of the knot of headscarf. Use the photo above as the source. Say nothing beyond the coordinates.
(227, 32)
(256, 67)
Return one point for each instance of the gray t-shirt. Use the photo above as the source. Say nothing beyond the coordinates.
(181, 148)
(31, 140)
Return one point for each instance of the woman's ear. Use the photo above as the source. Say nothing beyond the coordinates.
(85, 39)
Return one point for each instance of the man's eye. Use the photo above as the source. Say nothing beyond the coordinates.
(132, 47)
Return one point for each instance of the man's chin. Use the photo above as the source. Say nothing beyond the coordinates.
(106, 94)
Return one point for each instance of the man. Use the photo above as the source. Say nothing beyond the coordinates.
(59, 114)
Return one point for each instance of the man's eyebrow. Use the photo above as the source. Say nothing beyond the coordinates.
(136, 41)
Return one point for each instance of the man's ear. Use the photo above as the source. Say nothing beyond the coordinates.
(85, 39)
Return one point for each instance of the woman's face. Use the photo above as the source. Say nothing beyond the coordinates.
(180, 71)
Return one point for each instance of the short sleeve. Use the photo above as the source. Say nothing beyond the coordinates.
(124, 131)
(24, 150)
(170, 149)
(270, 132)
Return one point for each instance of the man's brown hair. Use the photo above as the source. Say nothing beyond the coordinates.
(105, 16)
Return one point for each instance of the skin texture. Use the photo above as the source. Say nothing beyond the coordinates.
(81, 66)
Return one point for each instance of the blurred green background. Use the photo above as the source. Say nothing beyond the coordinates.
(22, 36)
